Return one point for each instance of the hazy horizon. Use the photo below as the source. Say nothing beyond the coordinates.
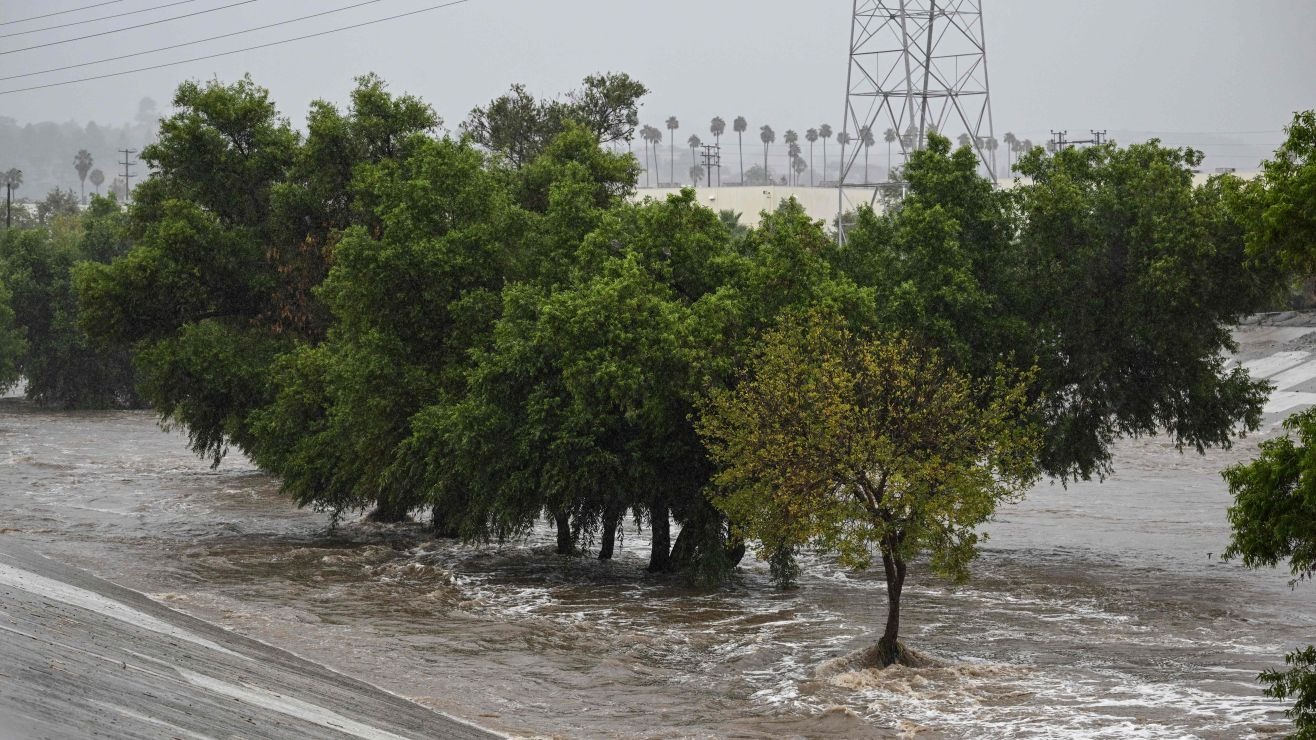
(1222, 75)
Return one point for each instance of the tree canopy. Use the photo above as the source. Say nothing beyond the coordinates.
(62, 365)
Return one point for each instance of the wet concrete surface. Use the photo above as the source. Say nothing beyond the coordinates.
(82, 657)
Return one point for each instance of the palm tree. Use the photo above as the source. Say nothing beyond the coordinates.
(653, 137)
(825, 133)
(12, 179)
(889, 136)
(991, 145)
(694, 142)
(1011, 146)
(798, 165)
(717, 127)
(82, 163)
(97, 179)
(740, 126)
(767, 136)
(656, 137)
(696, 174)
(811, 136)
(672, 125)
(867, 141)
(792, 154)
(792, 140)
(963, 140)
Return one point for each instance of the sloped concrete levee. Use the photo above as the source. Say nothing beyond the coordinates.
(82, 657)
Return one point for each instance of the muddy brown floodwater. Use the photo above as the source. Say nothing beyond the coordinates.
(1097, 611)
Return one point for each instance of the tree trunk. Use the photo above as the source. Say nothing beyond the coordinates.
(741, 139)
(565, 545)
(389, 512)
(610, 522)
(894, 566)
(442, 526)
(660, 558)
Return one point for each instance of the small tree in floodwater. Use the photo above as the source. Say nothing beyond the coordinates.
(854, 445)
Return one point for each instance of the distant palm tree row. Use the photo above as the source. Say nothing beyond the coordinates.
(797, 164)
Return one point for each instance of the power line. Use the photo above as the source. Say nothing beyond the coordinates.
(192, 43)
(128, 28)
(62, 12)
(93, 20)
(238, 51)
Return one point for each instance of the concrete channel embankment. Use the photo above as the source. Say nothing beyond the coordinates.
(81, 657)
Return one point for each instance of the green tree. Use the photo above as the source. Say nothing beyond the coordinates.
(852, 444)
(82, 162)
(1273, 519)
(1136, 277)
(97, 179)
(767, 136)
(519, 126)
(56, 203)
(740, 126)
(12, 345)
(1282, 212)
(62, 366)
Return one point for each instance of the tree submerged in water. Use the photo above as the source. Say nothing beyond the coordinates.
(852, 444)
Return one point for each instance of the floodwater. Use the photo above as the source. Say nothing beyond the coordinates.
(1096, 611)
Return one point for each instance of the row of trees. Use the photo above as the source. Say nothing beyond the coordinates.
(491, 330)
(40, 338)
(797, 164)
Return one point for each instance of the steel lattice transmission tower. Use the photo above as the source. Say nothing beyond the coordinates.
(915, 66)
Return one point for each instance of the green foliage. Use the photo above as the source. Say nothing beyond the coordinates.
(520, 127)
(1284, 198)
(12, 345)
(857, 444)
(1134, 277)
(1298, 683)
(1273, 517)
(405, 302)
(1274, 512)
(831, 439)
(63, 367)
(57, 203)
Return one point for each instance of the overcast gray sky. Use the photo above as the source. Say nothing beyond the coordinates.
(1224, 74)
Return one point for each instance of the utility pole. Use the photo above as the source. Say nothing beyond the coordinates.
(913, 66)
(127, 173)
(1059, 142)
(712, 157)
